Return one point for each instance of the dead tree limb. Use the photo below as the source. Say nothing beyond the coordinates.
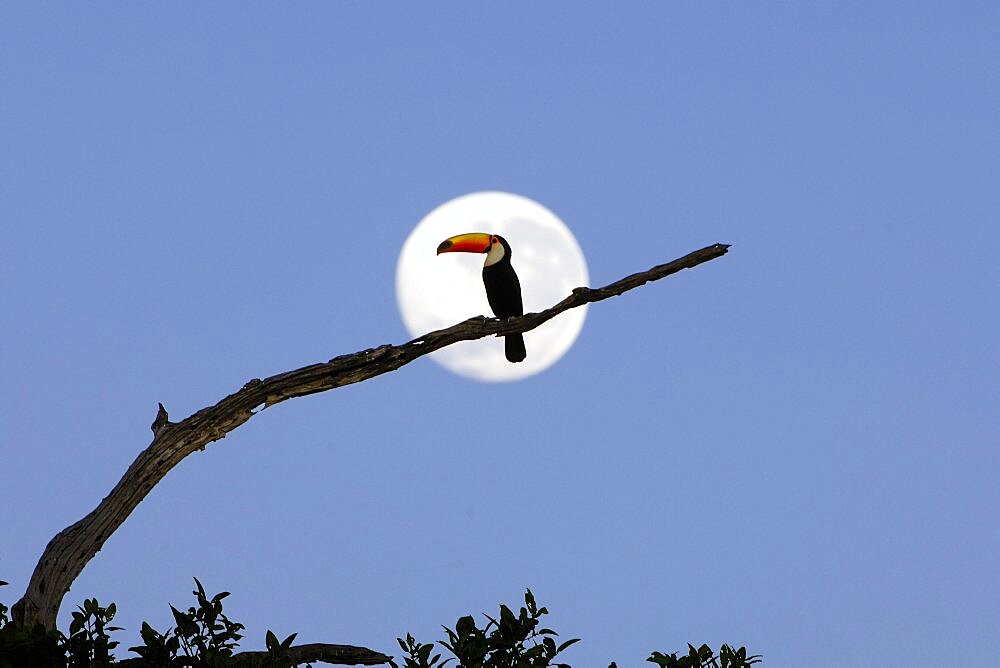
(342, 655)
(70, 550)
(337, 654)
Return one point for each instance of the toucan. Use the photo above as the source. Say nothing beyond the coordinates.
(503, 290)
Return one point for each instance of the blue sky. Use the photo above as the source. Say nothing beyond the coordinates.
(794, 447)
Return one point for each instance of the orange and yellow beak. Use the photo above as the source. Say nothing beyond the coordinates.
(475, 242)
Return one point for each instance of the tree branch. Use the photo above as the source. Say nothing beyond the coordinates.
(70, 550)
(342, 655)
(338, 654)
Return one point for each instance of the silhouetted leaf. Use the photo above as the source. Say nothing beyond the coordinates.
(567, 644)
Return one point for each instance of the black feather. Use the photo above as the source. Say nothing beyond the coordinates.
(503, 291)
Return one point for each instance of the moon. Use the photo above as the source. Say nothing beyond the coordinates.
(435, 292)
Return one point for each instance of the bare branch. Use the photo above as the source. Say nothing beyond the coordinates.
(342, 655)
(337, 654)
(70, 550)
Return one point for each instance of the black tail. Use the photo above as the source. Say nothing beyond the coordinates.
(513, 346)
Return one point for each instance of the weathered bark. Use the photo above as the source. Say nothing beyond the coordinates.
(70, 550)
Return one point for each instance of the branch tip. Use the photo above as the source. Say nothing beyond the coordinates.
(161, 420)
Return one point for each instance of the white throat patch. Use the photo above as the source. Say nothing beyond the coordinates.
(495, 254)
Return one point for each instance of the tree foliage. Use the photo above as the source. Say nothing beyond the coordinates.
(516, 641)
(513, 641)
(205, 637)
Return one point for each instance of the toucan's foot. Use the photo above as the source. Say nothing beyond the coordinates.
(504, 321)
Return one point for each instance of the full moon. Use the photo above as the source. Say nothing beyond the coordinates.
(435, 292)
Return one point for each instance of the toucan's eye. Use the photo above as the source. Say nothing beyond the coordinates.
(494, 240)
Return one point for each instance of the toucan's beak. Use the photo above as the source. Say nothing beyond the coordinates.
(476, 242)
